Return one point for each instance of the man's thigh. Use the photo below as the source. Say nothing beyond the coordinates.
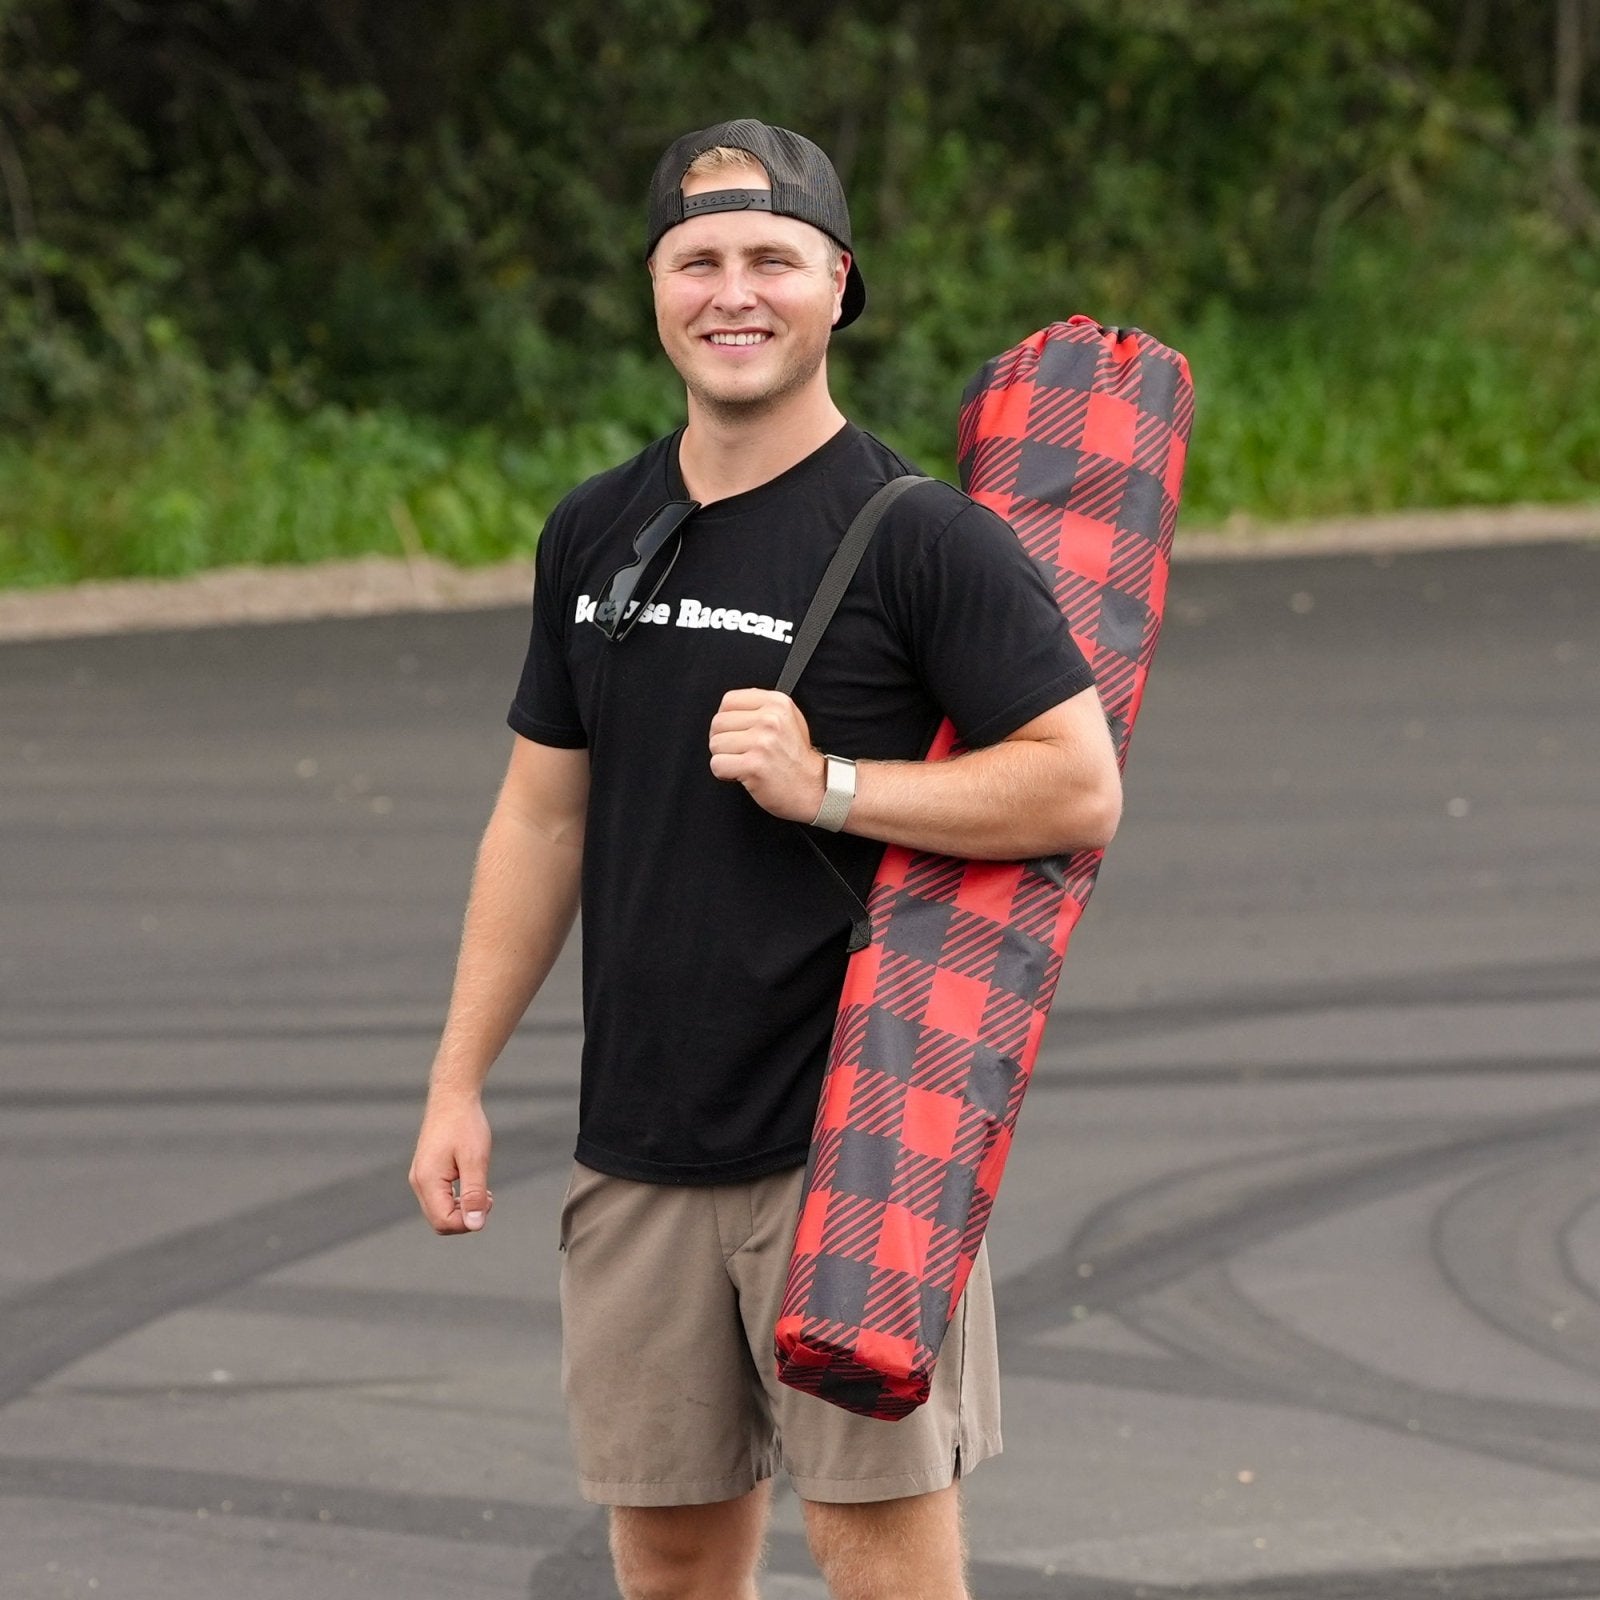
(833, 1455)
(669, 1298)
(664, 1404)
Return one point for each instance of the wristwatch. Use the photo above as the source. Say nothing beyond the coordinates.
(841, 790)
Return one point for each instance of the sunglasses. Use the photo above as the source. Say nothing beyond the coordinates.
(656, 544)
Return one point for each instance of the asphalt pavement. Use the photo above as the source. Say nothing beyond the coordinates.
(1299, 1250)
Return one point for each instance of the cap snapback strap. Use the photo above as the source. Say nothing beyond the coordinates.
(727, 200)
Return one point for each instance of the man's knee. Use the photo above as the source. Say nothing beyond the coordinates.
(907, 1549)
(689, 1552)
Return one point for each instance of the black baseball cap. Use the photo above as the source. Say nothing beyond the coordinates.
(804, 186)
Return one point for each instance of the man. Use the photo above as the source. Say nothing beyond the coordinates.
(654, 769)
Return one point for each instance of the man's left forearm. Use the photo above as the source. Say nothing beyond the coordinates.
(1049, 787)
(1013, 801)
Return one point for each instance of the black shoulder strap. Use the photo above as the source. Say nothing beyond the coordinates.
(841, 569)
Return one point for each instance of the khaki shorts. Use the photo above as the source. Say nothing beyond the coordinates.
(669, 1296)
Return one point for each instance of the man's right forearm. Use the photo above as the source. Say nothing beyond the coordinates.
(524, 897)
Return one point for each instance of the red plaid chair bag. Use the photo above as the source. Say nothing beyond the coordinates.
(1077, 437)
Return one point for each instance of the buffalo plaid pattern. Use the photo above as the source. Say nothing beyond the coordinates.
(1077, 437)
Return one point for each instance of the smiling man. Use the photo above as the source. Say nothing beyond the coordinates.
(656, 775)
(734, 356)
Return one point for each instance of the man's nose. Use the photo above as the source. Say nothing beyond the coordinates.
(735, 286)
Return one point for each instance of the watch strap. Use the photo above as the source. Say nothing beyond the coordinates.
(838, 796)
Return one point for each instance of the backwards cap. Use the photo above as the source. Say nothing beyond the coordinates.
(804, 186)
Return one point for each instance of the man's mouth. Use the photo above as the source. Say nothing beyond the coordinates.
(735, 339)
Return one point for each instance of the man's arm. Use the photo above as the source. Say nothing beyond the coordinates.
(523, 901)
(1050, 787)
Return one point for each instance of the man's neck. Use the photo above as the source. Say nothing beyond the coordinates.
(721, 455)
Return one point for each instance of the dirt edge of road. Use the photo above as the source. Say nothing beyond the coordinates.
(374, 585)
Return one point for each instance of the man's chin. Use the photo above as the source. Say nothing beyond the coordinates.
(728, 401)
(750, 399)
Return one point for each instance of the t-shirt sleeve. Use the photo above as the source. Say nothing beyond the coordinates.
(987, 637)
(545, 709)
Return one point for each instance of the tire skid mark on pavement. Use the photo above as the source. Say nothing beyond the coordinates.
(45, 1328)
(379, 1386)
(1075, 1025)
(375, 1096)
(579, 1567)
(1500, 1244)
(1217, 1210)
(1570, 980)
(1158, 1230)
(339, 1147)
(1131, 1077)
(250, 1097)
(47, 1033)
(1582, 1285)
(49, 1325)
(1534, 1580)
(1174, 1374)
(1226, 1074)
(1567, 979)
(1207, 1318)
(581, 1570)
(1168, 1281)
(222, 1494)
(341, 1302)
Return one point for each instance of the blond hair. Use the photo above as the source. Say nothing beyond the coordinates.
(722, 158)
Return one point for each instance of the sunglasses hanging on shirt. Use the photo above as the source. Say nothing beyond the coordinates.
(655, 549)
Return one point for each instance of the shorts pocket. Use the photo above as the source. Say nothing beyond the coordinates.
(581, 1181)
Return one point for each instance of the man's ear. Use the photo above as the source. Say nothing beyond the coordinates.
(841, 276)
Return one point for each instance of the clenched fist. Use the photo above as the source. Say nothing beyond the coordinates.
(450, 1170)
(760, 739)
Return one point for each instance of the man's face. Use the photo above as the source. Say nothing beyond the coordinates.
(745, 300)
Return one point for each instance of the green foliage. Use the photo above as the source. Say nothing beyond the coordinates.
(269, 268)
(263, 485)
(1423, 376)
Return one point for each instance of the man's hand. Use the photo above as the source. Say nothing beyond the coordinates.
(760, 739)
(452, 1151)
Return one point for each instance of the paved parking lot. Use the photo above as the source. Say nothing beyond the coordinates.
(1299, 1251)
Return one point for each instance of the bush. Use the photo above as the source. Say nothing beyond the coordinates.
(1420, 375)
(1432, 370)
(209, 488)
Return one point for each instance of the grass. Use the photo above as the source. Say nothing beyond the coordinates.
(203, 489)
(1463, 382)
(1419, 377)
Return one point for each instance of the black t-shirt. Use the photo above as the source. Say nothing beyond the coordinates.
(713, 940)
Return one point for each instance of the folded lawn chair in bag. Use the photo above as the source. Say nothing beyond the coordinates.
(1077, 437)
